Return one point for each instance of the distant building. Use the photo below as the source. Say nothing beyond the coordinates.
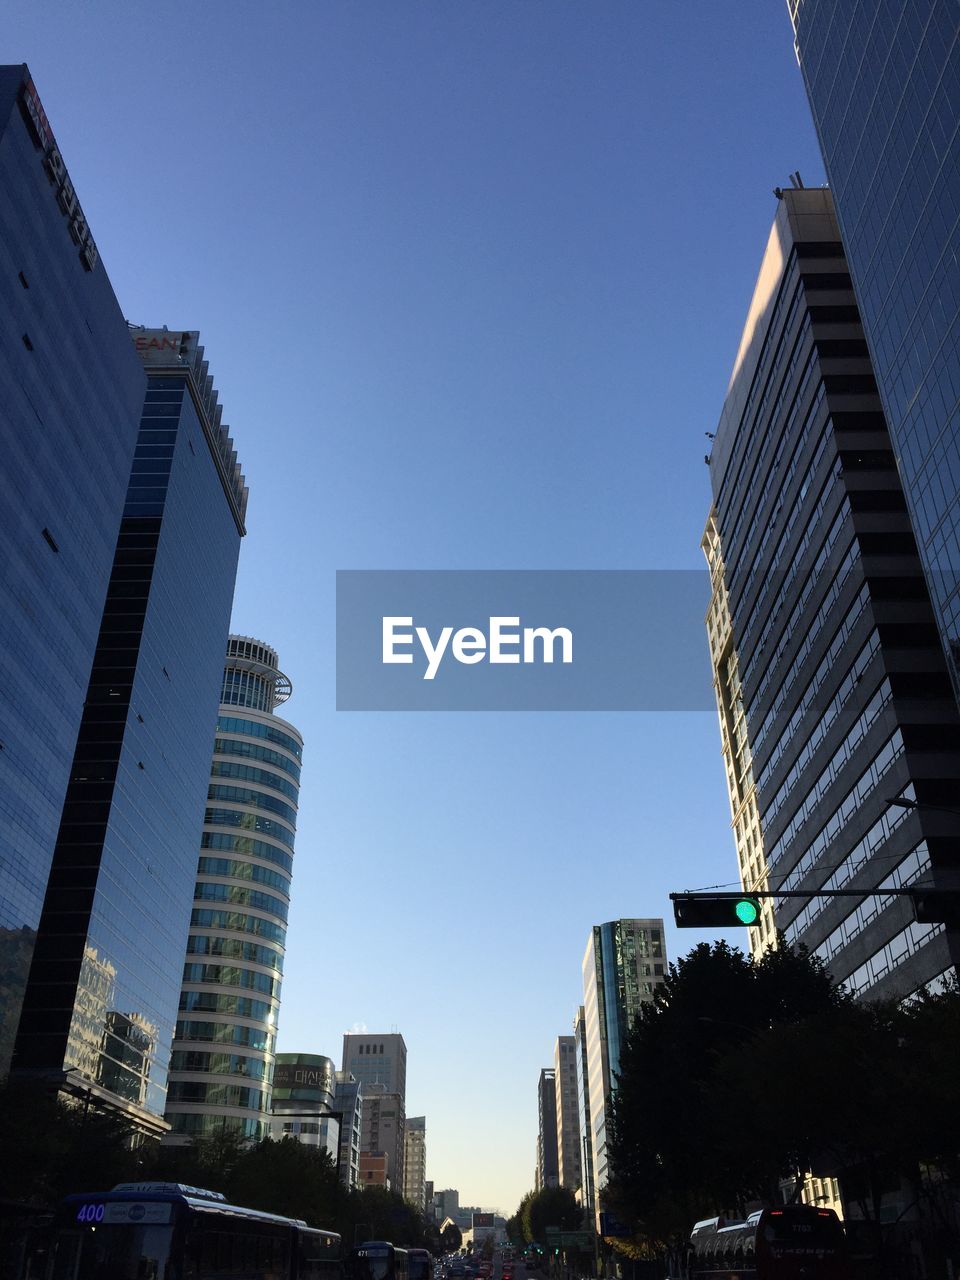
(446, 1204)
(415, 1162)
(548, 1170)
(623, 966)
(429, 1209)
(304, 1102)
(349, 1106)
(373, 1169)
(586, 1191)
(568, 1112)
(383, 1128)
(379, 1063)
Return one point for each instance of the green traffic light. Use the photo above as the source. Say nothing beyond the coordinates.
(747, 911)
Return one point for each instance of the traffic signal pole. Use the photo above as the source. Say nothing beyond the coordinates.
(708, 910)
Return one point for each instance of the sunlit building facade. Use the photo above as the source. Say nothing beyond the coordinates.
(623, 966)
(568, 1112)
(223, 1053)
(415, 1162)
(585, 1195)
(836, 709)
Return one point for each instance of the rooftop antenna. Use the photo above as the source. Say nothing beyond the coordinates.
(796, 181)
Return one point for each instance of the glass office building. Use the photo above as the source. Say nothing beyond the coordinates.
(223, 1054)
(548, 1164)
(623, 965)
(71, 391)
(883, 81)
(585, 1196)
(836, 710)
(101, 998)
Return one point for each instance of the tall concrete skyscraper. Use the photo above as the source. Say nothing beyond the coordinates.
(623, 966)
(223, 1052)
(415, 1162)
(377, 1059)
(586, 1194)
(100, 1003)
(548, 1170)
(568, 1112)
(884, 84)
(836, 710)
(71, 392)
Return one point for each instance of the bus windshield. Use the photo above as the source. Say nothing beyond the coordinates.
(108, 1252)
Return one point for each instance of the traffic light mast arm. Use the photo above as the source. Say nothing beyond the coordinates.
(802, 893)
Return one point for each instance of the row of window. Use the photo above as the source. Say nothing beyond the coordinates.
(254, 729)
(222, 1095)
(211, 1002)
(200, 944)
(205, 918)
(247, 846)
(861, 853)
(811, 581)
(232, 976)
(789, 294)
(250, 773)
(829, 774)
(855, 798)
(254, 751)
(249, 822)
(244, 871)
(225, 1033)
(782, 434)
(255, 799)
(826, 667)
(221, 1064)
(894, 953)
(240, 896)
(908, 871)
(780, 581)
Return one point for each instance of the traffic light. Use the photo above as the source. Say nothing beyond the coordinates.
(936, 906)
(710, 910)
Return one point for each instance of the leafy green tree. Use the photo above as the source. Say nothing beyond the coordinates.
(714, 1000)
(516, 1231)
(551, 1207)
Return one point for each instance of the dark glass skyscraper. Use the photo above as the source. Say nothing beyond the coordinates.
(101, 1000)
(883, 80)
(831, 682)
(71, 391)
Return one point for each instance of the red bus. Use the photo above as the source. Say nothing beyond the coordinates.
(794, 1242)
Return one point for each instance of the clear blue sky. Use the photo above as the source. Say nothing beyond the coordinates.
(471, 275)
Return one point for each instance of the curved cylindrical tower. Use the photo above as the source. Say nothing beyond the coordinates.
(223, 1050)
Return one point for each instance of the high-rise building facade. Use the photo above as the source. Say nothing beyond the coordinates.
(548, 1165)
(100, 1003)
(349, 1103)
(415, 1162)
(884, 83)
(71, 393)
(304, 1102)
(223, 1053)
(383, 1130)
(832, 686)
(568, 1112)
(586, 1193)
(379, 1063)
(623, 965)
(377, 1059)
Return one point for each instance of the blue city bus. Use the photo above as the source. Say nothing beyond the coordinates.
(168, 1231)
(377, 1260)
(419, 1264)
